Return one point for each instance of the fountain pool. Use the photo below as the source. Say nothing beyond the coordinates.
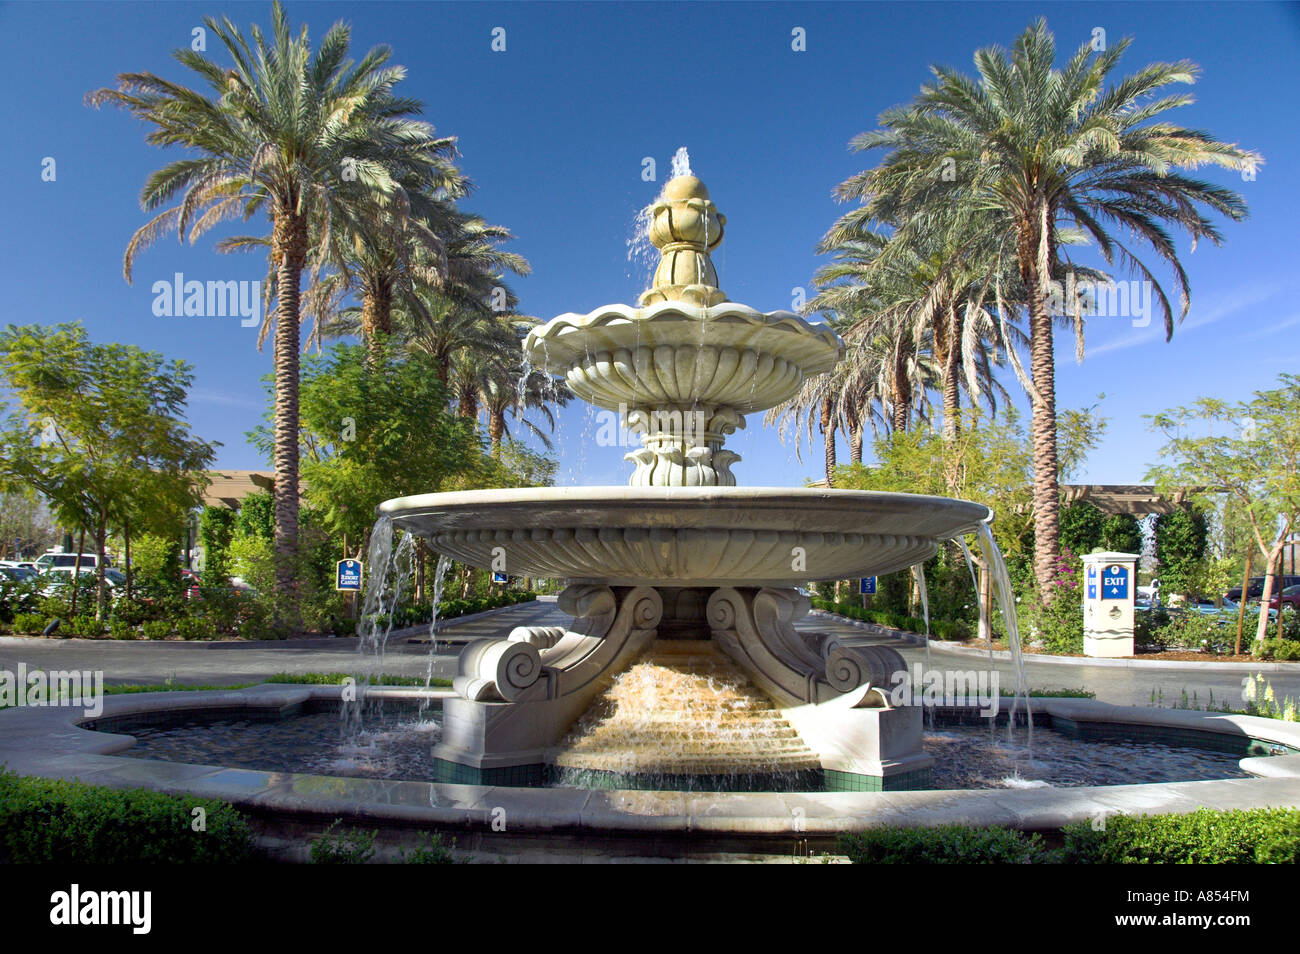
(396, 746)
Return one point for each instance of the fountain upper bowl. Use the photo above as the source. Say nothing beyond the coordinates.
(686, 536)
(677, 353)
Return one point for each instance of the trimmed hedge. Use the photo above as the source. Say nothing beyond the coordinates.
(450, 609)
(46, 821)
(1207, 836)
(939, 628)
(1254, 836)
(945, 845)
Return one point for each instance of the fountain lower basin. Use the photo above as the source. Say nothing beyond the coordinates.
(672, 536)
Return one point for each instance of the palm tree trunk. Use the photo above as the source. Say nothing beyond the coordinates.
(467, 404)
(290, 249)
(855, 445)
(1047, 493)
(828, 433)
(951, 373)
(376, 320)
(901, 403)
(496, 429)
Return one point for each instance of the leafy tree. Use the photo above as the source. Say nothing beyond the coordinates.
(1121, 533)
(216, 527)
(94, 427)
(1181, 539)
(1082, 527)
(1248, 452)
(256, 516)
(375, 427)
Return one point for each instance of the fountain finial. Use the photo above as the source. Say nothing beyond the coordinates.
(685, 226)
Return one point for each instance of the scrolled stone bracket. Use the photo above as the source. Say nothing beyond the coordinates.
(610, 627)
(756, 628)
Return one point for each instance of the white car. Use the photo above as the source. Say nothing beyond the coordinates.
(60, 575)
(51, 561)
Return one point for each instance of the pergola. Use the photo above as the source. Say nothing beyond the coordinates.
(226, 488)
(1138, 499)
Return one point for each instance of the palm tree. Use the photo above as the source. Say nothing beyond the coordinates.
(307, 138)
(514, 389)
(1036, 151)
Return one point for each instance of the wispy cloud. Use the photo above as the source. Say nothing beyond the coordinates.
(1253, 296)
(205, 396)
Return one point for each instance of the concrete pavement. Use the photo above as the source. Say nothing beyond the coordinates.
(229, 663)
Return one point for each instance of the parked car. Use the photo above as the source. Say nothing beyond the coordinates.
(1289, 596)
(19, 574)
(1256, 588)
(51, 560)
(60, 575)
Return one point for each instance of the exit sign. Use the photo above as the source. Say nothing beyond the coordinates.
(1114, 582)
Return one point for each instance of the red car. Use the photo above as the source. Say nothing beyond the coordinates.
(1290, 596)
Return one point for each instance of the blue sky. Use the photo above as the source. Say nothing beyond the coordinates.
(554, 129)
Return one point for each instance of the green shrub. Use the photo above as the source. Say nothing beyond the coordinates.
(1190, 630)
(86, 626)
(17, 597)
(1254, 836)
(1283, 650)
(45, 821)
(947, 844)
(334, 847)
(120, 629)
(434, 851)
(29, 623)
(195, 627)
(156, 629)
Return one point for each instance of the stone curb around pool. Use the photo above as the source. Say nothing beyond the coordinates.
(49, 742)
(941, 646)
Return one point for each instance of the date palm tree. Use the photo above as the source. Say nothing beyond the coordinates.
(307, 138)
(1034, 150)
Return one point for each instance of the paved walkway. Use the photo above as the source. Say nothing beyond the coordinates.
(229, 663)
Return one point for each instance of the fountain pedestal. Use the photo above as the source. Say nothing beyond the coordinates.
(521, 694)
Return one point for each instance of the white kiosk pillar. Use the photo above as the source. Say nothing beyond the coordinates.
(1109, 590)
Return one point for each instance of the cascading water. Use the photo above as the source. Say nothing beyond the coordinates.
(439, 580)
(985, 622)
(997, 569)
(918, 574)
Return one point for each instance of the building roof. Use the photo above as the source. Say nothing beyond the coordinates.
(226, 488)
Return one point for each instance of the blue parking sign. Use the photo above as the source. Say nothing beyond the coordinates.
(1114, 582)
(348, 575)
(867, 586)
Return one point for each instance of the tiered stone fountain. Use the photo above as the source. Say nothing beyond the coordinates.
(682, 568)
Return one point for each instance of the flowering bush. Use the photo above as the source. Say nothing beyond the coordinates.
(1056, 614)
